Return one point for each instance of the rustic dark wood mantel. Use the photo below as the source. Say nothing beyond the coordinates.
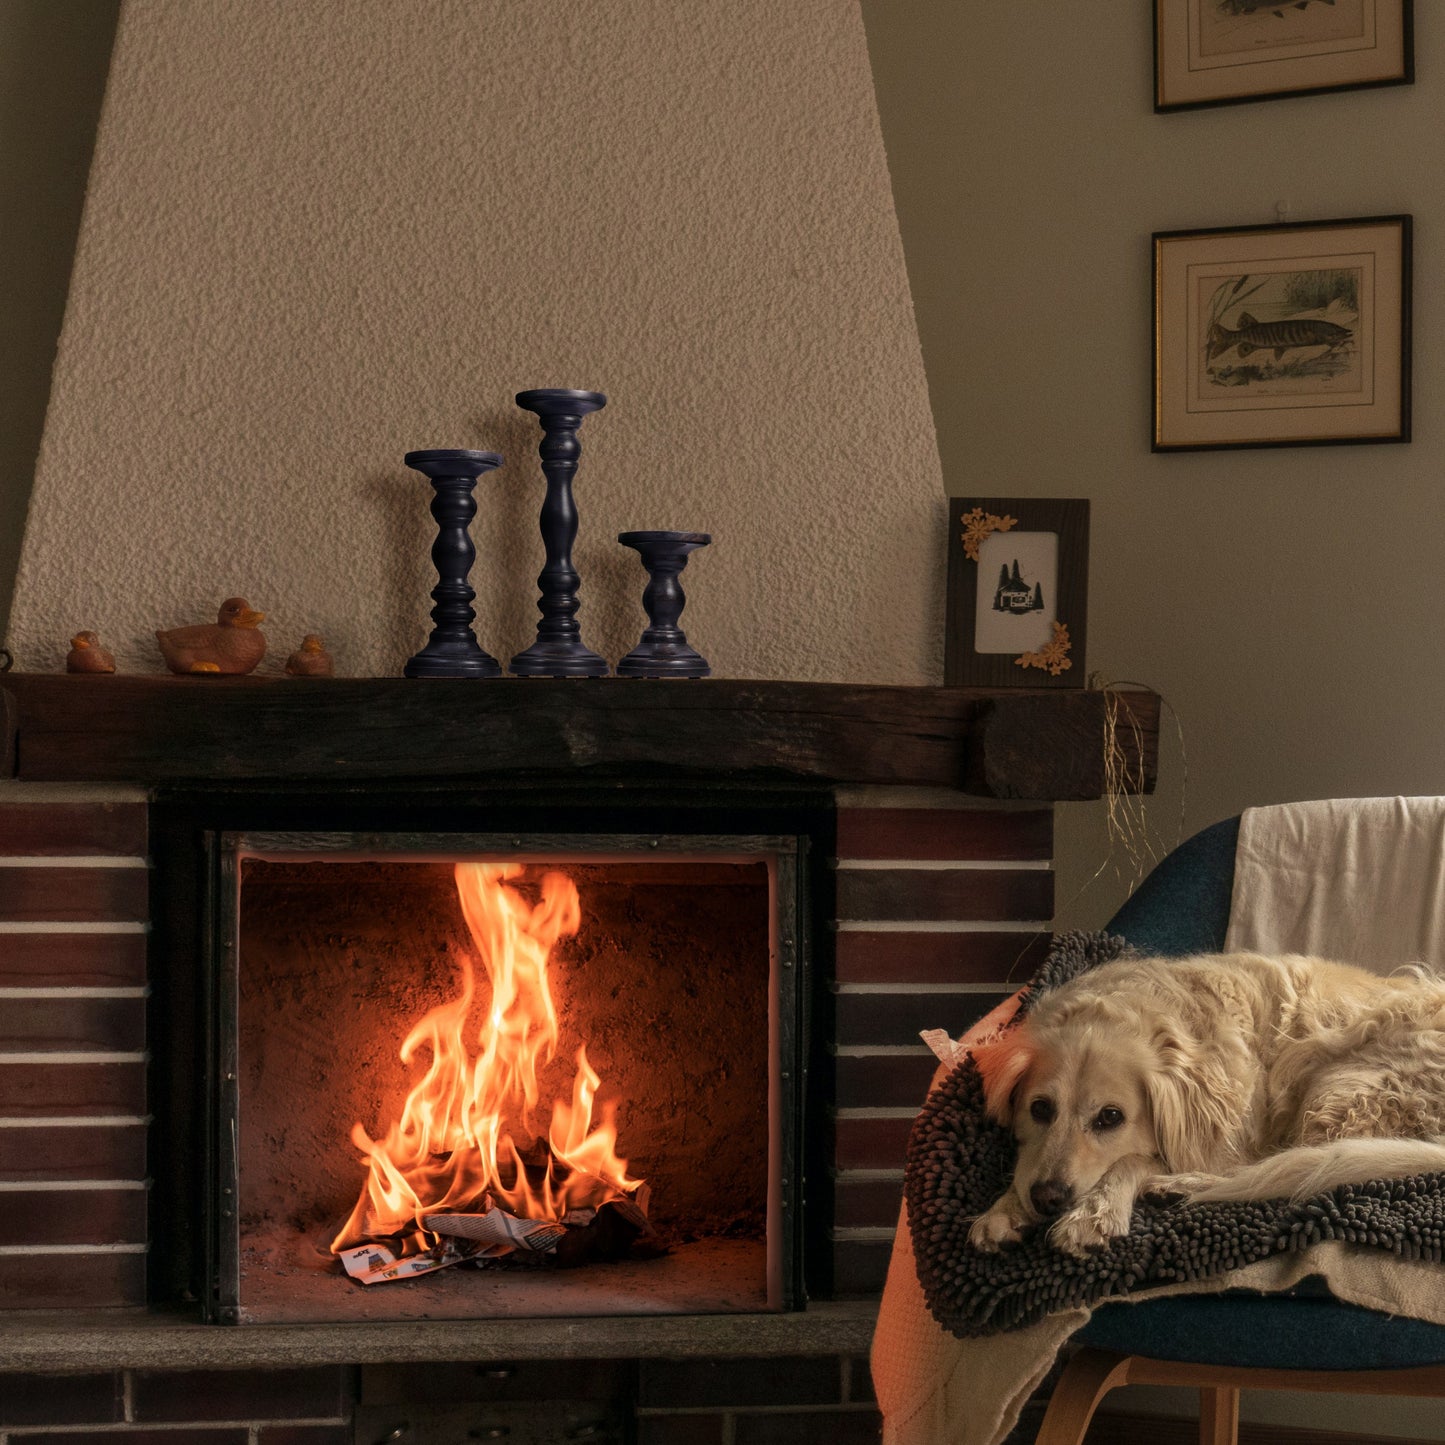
(1026, 744)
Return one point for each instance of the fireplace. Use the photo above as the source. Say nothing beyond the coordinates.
(299, 936)
(641, 990)
(916, 826)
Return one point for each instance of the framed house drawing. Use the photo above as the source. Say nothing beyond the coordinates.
(1017, 592)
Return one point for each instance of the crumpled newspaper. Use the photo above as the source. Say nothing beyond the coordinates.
(375, 1263)
(492, 1234)
(497, 1232)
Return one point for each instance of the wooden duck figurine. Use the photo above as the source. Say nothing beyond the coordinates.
(87, 655)
(232, 644)
(311, 659)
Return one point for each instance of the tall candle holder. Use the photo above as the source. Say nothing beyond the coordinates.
(558, 650)
(663, 650)
(453, 650)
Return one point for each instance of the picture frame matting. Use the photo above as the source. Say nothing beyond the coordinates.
(1017, 601)
(1225, 52)
(1293, 334)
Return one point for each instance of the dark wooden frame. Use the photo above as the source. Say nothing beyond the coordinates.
(1404, 223)
(1069, 518)
(1406, 75)
(791, 988)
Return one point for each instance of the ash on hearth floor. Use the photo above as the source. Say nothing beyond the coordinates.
(284, 1284)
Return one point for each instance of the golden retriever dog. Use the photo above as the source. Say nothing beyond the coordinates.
(1216, 1077)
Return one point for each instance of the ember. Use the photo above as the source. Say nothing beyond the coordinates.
(449, 1181)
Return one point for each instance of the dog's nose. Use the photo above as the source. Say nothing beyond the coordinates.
(1051, 1197)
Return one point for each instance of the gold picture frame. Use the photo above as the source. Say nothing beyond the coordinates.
(1287, 335)
(1223, 52)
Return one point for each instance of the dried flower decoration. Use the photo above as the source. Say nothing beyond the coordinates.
(1053, 657)
(977, 525)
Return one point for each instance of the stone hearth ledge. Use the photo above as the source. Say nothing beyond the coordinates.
(174, 1340)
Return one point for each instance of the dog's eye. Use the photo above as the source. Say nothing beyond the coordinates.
(1041, 1111)
(1109, 1118)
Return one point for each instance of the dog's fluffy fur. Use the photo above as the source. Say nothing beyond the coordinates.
(1217, 1077)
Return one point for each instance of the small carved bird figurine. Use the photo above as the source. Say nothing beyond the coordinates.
(232, 644)
(87, 655)
(311, 659)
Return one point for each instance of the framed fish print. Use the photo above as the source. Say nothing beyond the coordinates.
(1221, 52)
(1018, 588)
(1286, 335)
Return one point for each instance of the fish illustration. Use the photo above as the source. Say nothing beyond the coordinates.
(1250, 7)
(1276, 336)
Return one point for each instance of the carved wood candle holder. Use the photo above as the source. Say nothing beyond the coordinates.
(453, 650)
(663, 650)
(558, 650)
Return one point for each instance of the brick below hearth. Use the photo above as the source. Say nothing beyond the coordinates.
(210, 1407)
(806, 1400)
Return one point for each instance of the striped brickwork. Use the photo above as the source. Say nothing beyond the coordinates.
(943, 908)
(73, 922)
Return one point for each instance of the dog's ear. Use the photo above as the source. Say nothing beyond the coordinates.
(1194, 1104)
(1002, 1063)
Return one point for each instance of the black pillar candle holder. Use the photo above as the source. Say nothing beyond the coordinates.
(663, 650)
(558, 650)
(453, 650)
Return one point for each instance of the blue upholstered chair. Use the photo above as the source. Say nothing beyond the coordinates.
(1305, 1340)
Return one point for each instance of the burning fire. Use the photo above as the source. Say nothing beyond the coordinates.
(449, 1151)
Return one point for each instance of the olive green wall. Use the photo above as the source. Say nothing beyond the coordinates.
(1286, 602)
(53, 58)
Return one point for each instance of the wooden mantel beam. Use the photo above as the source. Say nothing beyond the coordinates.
(1044, 744)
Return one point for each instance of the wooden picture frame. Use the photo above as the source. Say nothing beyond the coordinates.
(1224, 52)
(1018, 592)
(1287, 335)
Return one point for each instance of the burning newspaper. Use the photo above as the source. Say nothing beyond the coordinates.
(495, 1234)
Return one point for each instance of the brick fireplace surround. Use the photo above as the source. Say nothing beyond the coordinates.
(939, 808)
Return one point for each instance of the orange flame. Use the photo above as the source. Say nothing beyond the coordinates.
(449, 1150)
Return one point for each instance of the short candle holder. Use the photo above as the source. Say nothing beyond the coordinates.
(663, 650)
(558, 650)
(453, 650)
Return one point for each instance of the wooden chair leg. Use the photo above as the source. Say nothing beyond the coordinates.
(1089, 1376)
(1218, 1415)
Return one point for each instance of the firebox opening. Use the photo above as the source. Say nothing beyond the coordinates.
(667, 988)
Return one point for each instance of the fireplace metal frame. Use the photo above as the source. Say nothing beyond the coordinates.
(790, 990)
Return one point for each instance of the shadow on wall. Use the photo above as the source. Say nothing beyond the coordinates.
(53, 64)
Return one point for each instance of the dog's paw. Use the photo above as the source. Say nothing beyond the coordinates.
(1089, 1227)
(1175, 1188)
(998, 1229)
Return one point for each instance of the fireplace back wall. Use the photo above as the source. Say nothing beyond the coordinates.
(666, 984)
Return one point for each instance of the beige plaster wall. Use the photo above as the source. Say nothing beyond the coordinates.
(1287, 602)
(320, 235)
(53, 56)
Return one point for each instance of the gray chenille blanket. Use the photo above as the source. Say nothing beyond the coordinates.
(960, 1161)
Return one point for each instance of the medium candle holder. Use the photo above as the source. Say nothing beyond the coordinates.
(663, 650)
(453, 650)
(558, 650)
